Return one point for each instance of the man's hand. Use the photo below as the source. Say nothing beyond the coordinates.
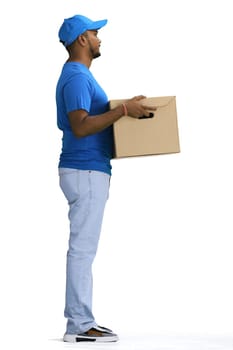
(136, 109)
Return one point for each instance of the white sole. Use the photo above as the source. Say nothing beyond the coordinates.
(75, 338)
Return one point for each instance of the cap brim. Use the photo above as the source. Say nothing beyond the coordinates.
(98, 24)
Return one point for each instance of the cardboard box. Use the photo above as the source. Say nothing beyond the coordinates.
(150, 136)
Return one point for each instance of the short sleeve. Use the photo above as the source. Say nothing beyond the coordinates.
(78, 93)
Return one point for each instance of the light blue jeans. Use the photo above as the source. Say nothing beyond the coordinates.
(86, 193)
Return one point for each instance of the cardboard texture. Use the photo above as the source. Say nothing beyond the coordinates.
(150, 136)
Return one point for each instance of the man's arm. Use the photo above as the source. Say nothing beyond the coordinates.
(83, 125)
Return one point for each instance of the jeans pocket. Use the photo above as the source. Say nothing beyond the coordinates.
(69, 183)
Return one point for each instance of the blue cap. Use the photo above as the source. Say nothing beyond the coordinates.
(74, 26)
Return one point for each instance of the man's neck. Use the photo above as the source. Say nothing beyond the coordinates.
(86, 61)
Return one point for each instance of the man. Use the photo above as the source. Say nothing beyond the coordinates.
(84, 168)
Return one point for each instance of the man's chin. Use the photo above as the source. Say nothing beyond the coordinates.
(96, 55)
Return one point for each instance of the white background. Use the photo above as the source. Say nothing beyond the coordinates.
(164, 264)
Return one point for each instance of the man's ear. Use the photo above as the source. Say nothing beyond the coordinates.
(82, 40)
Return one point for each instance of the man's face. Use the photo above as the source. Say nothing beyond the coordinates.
(93, 42)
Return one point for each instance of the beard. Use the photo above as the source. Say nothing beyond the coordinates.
(94, 53)
(97, 55)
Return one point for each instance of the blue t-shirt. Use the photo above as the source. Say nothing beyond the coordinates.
(78, 89)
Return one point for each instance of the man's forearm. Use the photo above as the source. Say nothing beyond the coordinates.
(89, 125)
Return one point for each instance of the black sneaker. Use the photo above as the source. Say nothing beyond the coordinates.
(95, 334)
